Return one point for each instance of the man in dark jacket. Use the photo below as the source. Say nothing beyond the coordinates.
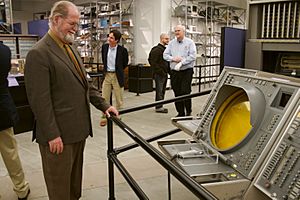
(9, 117)
(160, 70)
(115, 60)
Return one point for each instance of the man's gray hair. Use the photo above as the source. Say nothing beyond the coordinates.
(180, 27)
(60, 8)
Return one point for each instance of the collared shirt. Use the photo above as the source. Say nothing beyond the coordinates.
(56, 39)
(70, 54)
(185, 49)
(111, 58)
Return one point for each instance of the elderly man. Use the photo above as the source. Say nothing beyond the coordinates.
(59, 94)
(181, 53)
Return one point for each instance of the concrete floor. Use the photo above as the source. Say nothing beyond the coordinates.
(151, 177)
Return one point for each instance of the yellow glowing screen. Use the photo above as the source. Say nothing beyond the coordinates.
(231, 122)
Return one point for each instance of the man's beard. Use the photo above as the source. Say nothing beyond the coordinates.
(70, 38)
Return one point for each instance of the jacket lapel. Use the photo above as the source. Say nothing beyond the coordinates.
(56, 50)
(117, 55)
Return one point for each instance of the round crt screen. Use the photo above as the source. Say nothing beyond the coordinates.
(231, 122)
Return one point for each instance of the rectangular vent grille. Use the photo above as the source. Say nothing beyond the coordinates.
(281, 20)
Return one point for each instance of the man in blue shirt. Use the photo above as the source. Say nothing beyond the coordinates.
(115, 60)
(181, 53)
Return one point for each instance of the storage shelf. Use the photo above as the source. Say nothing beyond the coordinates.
(98, 19)
(203, 20)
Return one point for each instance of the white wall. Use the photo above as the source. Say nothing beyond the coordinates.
(152, 18)
(22, 17)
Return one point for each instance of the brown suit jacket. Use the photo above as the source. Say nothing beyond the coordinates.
(59, 98)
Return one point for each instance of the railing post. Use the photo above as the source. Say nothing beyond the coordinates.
(138, 80)
(111, 179)
(169, 186)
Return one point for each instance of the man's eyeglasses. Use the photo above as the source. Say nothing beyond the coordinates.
(73, 24)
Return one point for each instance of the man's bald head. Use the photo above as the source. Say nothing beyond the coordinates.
(164, 39)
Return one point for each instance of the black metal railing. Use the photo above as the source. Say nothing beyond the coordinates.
(207, 78)
(185, 179)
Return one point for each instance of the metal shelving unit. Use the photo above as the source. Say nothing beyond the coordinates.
(203, 20)
(19, 44)
(98, 18)
(6, 18)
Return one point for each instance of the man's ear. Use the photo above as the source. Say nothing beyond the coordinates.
(56, 19)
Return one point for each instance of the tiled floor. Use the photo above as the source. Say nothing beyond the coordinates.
(149, 174)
